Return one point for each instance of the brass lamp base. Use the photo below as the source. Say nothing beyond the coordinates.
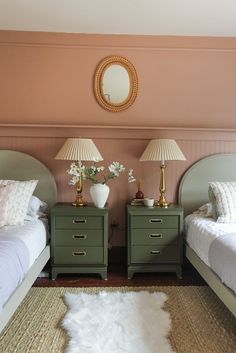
(162, 202)
(78, 201)
(79, 198)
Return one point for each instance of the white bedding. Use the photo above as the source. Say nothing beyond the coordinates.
(222, 258)
(32, 233)
(19, 248)
(215, 244)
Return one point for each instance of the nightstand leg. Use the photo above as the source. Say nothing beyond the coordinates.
(179, 272)
(53, 274)
(130, 274)
(104, 275)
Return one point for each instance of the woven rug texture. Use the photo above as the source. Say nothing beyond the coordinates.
(200, 322)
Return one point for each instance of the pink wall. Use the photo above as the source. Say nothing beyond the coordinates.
(186, 91)
(124, 145)
(47, 78)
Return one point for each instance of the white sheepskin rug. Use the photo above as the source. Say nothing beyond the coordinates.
(115, 322)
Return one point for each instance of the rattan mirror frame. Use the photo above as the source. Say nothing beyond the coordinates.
(98, 83)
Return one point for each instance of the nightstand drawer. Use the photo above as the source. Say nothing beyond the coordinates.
(154, 254)
(88, 237)
(78, 255)
(154, 239)
(154, 236)
(79, 239)
(154, 221)
(78, 222)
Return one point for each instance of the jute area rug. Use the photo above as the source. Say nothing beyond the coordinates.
(200, 322)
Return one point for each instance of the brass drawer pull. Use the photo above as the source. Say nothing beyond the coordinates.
(79, 236)
(155, 235)
(79, 221)
(79, 253)
(155, 220)
(155, 252)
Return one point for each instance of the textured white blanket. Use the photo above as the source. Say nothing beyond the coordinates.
(215, 244)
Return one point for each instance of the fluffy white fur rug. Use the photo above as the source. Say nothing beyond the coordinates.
(115, 322)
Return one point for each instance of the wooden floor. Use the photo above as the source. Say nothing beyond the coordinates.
(117, 276)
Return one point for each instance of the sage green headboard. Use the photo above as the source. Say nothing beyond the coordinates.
(21, 166)
(193, 189)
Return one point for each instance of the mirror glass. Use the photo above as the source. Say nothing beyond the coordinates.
(115, 83)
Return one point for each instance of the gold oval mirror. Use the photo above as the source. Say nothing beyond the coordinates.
(115, 83)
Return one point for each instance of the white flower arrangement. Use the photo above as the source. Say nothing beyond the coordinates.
(92, 173)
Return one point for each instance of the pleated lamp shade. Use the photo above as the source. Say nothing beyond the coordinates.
(162, 150)
(79, 149)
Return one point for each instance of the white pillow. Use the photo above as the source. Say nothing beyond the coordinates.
(4, 196)
(225, 200)
(17, 200)
(206, 210)
(36, 207)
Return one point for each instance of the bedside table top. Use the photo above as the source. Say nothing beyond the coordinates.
(68, 208)
(172, 209)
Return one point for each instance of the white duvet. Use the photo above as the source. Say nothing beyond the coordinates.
(19, 248)
(222, 258)
(215, 244)
(32, 233)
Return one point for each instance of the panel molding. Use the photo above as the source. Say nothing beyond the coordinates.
(132, 42)
(118, 132)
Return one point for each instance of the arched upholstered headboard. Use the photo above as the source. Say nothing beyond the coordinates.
(193, 188)
(21, 166)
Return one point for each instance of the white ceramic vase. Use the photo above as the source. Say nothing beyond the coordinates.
(99, 194)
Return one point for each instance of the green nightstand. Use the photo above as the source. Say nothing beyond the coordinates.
(79, 239)
(155, 239)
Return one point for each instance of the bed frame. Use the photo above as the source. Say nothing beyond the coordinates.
(193, 192)
(21, 166)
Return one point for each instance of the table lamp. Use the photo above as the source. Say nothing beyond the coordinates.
(162, 150)
(78, 150)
